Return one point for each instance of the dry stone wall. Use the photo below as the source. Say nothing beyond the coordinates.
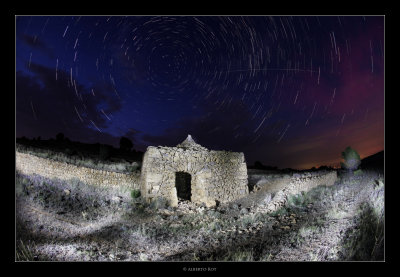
(30, 164)
(309, 181)
(301, 183)
(215, 175)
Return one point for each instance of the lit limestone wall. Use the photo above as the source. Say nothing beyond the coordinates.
(30, 164)
(215, 175)
(298, 184)
(308, 181)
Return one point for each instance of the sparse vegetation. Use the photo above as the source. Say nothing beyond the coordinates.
(365, 242)
(135, 193)
(358, 172)
(281, 211)
(299, 201)
(116, 223)
(24, 252)
(60, 137)
(104, 152)
(125, 144)
(239, 256)
(158, 203)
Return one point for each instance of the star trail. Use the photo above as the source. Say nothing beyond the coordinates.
(289, 91)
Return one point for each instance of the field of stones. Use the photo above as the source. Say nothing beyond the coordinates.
(69, 220)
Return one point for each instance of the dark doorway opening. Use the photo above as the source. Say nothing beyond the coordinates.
(183, 185)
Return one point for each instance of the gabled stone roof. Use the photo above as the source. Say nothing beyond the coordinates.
(189, 143)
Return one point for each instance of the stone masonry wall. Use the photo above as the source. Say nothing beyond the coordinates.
(309, 181)
(299, 184)
(216, 175)
(30, 164)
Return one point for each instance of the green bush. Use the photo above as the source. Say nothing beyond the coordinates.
(358, 172)
(104, 152)
(70, 152)
(281, 211)
(135, 193)
(351, 159)
(299, 200)
(125, 144)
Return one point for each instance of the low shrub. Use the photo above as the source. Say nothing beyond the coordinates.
(365, 242)
(247, 221)
(239, 256)
(24, 252)
(159, 203)
(215, 226)
(299, 200)
(281, 211)
(20, 183)
(104, 152)
(135, 193)
(319, 192)
(358, 172)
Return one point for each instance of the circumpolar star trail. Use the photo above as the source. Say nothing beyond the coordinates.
(277, 88)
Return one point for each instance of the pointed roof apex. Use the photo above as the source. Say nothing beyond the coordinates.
(190, 143)
(190, 139)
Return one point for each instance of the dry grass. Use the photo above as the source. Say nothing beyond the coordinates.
(345, 222)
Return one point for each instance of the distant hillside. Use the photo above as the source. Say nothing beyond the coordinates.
(374, 161)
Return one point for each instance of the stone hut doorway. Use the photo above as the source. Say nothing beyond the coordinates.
(183, 183)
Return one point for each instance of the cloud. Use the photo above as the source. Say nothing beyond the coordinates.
(35, 43)
(46, 106)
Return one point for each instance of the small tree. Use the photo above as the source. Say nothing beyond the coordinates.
(351, 159)
(104, 151)
(125, 144)
(258, 165)
(60, 137)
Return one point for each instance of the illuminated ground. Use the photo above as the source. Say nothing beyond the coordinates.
(70, 221)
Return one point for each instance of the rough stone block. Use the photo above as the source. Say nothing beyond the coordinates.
(154, 178)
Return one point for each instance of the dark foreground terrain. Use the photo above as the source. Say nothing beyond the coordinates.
(71, 221)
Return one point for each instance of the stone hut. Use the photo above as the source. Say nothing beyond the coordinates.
(190, 171)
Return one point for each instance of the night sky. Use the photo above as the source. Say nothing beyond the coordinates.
(289, 91)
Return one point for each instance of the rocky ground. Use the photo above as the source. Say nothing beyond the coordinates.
(72, 221)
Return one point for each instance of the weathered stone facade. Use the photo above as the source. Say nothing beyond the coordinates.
(214, 175)
(30, 164)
